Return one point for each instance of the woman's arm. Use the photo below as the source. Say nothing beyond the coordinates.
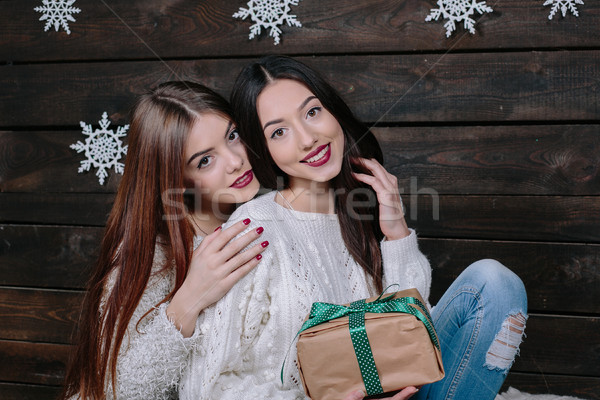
(403, 262)
(217, 264)
(155, 351)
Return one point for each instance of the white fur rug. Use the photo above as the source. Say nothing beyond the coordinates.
(514, 394)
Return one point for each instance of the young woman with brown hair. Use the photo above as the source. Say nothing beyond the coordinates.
(158, 266)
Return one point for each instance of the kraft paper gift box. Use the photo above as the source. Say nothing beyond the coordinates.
(393, 345)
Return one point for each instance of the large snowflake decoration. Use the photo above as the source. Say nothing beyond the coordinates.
(57, 13)
(268, 14)
(565, 5)
(103, 148)
(458, 10)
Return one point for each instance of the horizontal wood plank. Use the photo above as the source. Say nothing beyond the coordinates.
(44, 162)
(551, 272)
(570, 350)
(64, 256)
(16, 391)
(141, 29)
(47, 256)
(561, 385)
(533, 86)
(50, 315)
(505, 160)
(35, 363)
(560, 345)
(38, 315)
(556, 218)
(531, 218)
(52, 208)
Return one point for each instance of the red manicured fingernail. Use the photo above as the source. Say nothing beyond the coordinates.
(258, 257)
(259, 230)
(246, 221)
(217, 228)
(264, 244)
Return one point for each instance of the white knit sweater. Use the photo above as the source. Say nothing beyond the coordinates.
(241, 342)
(154, 353)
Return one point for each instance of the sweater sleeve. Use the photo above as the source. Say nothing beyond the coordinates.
(242, 349)
(241, 353)
(404, 264)
(153, 353)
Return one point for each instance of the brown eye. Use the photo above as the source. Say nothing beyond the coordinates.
(204, 162)
(233, 135)
(277, 133)
(313, 111)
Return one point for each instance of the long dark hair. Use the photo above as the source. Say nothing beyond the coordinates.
(359, 225)
(160, 122)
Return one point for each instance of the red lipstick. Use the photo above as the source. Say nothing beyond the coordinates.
(243, 180)
(322, 153)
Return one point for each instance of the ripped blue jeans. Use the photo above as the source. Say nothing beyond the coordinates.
(480, 322)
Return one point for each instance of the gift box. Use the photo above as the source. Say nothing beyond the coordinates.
(379, 345)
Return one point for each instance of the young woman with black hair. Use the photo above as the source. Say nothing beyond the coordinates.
(336, 226)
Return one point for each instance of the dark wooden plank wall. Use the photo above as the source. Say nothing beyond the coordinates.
(494, 138)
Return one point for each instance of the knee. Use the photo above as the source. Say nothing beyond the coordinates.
(499, 280)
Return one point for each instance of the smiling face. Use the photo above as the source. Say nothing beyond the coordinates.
(304, 139)
(216, 164)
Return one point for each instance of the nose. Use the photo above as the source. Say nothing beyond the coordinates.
(306, 137)
(235, 161)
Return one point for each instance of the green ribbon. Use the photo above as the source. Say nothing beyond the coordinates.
(323, 312)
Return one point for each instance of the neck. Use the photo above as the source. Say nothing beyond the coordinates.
(310, 196)
(208, 219)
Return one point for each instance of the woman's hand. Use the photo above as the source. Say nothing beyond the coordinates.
(391, 213)
(404, 394)
(217, 264)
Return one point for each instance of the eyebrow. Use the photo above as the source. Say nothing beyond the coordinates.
(277, 121)
(198, 154)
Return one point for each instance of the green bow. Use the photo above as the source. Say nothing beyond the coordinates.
(323, 312)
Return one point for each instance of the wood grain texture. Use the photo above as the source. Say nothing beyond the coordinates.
(577, 354)
(47, 256)
(15, 391)
(187, 28)
(530, 218)
(506, 160)
(551, 272)
(560, 345)
(36, 363)
(503, 160)
(556, 218)
(562, 385)
(39, 315)
(532, 86)
(44, 162)
(64, 255)
(52, 208)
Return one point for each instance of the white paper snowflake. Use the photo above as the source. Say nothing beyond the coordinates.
(57, 13)
(458, 10)
(268, 14)
(565, 5)
(103, 148)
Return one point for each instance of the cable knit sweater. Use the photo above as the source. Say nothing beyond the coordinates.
(241, 342)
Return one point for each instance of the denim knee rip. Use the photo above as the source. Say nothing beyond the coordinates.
(505, 346)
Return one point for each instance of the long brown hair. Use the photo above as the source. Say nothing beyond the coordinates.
(360, 225)
(160, 122)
